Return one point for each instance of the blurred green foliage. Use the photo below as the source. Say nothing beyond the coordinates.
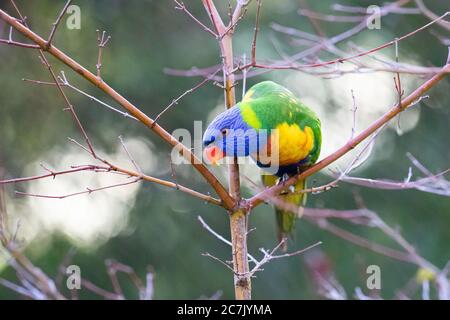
(163, 230)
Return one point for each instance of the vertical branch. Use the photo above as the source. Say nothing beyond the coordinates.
(255, 35)
(101, 43)
(238, 218)
(242, 279)
(226, 47)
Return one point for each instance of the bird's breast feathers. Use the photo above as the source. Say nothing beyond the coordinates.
(288, 144)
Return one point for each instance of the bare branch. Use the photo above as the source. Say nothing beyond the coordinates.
(405, 103)
(133, 110)
(99, 291)
(427, 184)
(360, 241)
(221, 238)
(54, 174)
(101, 42)
(181, 6)
(281, 66)
(111, 168)
(149, 290)
(56, 23)
(87, 191)
(231, 27)
(207, 254)
(114, 267)
(214, 16)
(268, 256)
(241, 7)
(189, 91)
(18, 289)
(329, 17)
(20, 44)
(136, 166)
(431, 15)
(255, 34)
(354, 109)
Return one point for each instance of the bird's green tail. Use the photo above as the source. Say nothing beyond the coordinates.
(289, 208)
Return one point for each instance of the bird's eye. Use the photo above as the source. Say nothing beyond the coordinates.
(224, 132)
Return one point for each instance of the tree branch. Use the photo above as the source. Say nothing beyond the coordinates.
(56, 23)
(394, 111)
(227, 200)
(238, 218)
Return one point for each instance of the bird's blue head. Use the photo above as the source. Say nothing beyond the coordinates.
(229, 135)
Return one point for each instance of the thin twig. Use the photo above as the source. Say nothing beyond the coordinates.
(99, 291)
(189, 91)
(268, 256)
(181, 6)
(380, 122)
(240, 6)
(101, 43)
(87, 191)
(221, 238)
(54, 174)
(20, 44)
(354, 109)
(342, 59)
(207, 254)
(256, 29)
(64, 82)
(431, 15)
(56, 23)
(136, 166)
(227, 200)
(360, 241)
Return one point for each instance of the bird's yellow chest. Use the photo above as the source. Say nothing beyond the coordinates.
(288, 144)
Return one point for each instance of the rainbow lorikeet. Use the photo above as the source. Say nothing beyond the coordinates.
(283, 136)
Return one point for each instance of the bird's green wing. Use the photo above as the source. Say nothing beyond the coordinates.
(268, 104)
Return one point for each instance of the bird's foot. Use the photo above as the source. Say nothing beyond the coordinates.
(283, 179)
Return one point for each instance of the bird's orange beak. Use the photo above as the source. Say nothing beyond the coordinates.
(214, 154)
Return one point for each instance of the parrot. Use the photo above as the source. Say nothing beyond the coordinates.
(280, 133)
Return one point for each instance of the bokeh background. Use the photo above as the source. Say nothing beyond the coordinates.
(148, 225)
